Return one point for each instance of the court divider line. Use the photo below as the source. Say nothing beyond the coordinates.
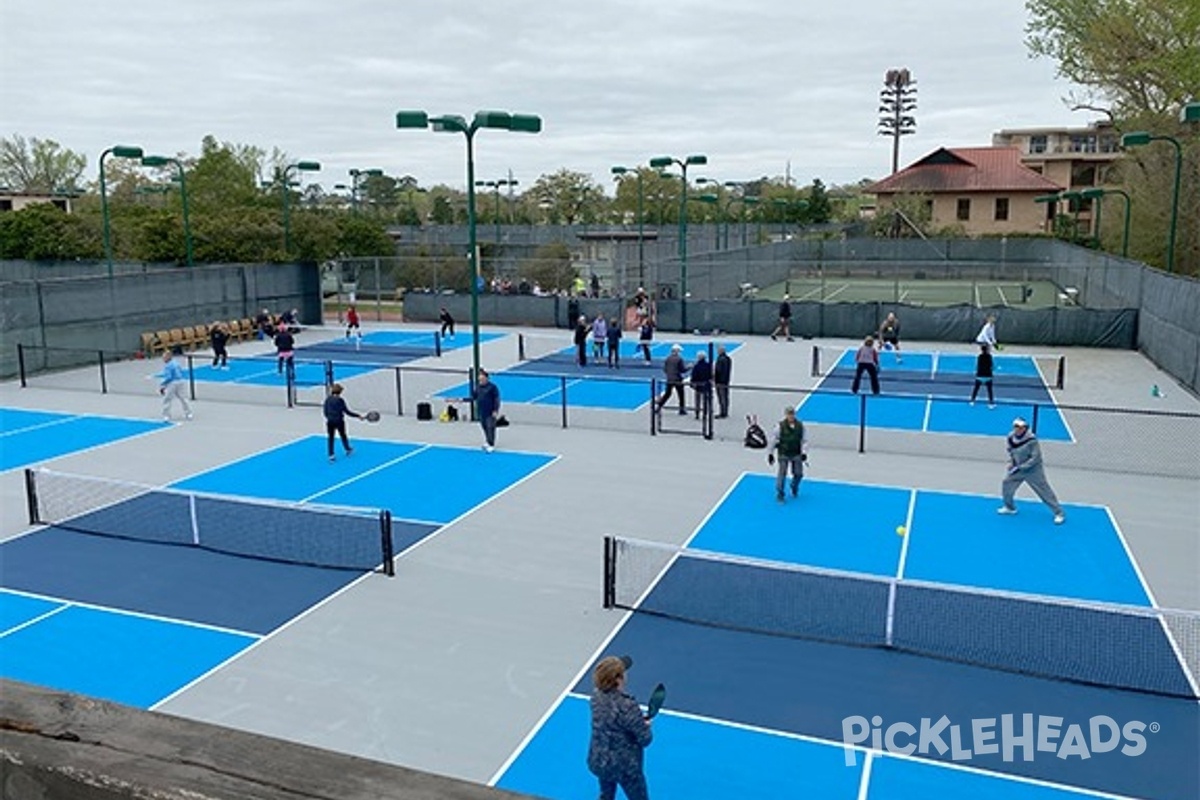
(604, 643)
(126, 612)
(331, 597)
(912, 507)
(864, 783)
(41, 425)
(876, 754)
(158, 426)
(35, 620)
(361, 475)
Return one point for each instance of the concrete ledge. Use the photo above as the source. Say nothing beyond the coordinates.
(56, 745)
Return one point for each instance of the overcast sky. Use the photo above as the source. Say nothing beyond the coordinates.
(752, 84)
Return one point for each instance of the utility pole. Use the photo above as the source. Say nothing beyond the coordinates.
(897, 99)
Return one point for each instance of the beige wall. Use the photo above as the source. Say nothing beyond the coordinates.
(1024, 215)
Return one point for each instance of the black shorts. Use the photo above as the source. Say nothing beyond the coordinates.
(894, 341)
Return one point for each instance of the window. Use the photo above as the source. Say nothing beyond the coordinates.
(1083, 143)
(1001, 208)
(964, 208)
(1037, 144)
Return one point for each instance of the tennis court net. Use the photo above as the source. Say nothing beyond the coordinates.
(313, 535)
(1128, 647)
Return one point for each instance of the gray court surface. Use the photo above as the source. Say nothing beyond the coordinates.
(451, 664)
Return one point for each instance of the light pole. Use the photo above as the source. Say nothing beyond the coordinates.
(663, 162)
(1052, 210)
(751, 200)
(1098, 195)
(1074, 200)
(120, 151)
(619, 171)
(299, 166)
(495, 187)
(1141, 138)
(355, 175)
(452, 123)
(162, 161)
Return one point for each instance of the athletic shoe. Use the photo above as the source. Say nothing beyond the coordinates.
(1005, 510)
(349, 450)
(188, 415)
(333, 458)
(972, 402)
(790, 339)
(992, 406)
(779, 497)
(773, 339)
(796, 490)
(1059, 519)
(488, 448)
(166, 417)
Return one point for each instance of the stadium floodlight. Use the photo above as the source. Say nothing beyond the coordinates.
(664, 162)
(1098, 194)
(118, 151)
(453, 123)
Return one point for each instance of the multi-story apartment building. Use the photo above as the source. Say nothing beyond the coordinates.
(1077, 158)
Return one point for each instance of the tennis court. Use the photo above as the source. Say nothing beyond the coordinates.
(918, 291)
(944, 380)
(768, 633)
(207, 572)
(28, 437)
(548, 371)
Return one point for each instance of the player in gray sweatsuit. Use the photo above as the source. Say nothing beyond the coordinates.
(1025, 466)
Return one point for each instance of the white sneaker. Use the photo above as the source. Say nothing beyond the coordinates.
(1005, 510)
(992, 406)
(972, 402)
(188, 415)
(166, 417)
(488, 448)
(1059, 519)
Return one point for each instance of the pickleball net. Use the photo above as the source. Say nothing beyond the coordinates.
(296, 533)
(830, 361)
(1144, 649)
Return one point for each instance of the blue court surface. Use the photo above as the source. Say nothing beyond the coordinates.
(929, 392)
(27, 437)
(387, 347)
(545, 379)
(764, 715)
(134, 620)
(264, 371)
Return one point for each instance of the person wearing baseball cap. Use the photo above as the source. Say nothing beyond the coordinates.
(620, 733)
(1025, 466)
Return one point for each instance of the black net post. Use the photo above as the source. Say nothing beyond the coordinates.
(21, 363)
(816, 361)
(653, 406)
(520, 347)
(191, 375)
(103, 373)
(706, 410)
(562, 385)
(399, 393)
(290, 377)
(1061, 378)
(31, 498)
(389, 551)
(437, 344)
(471, 388)
(328, 376)
(1033, 426)
(862, 423)
(610, 572)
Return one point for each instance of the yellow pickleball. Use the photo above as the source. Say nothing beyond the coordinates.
(901, 530)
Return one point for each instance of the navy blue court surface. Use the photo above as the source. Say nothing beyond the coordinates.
(754, 715)
(27, 437)
(929, 392)
(135, 621)
(625, 386)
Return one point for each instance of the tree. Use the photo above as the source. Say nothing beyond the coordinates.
(38, 165)
(819, 210)
(43, 232)
(1138, 62)
(550, 267)
(1132, 57)
(569, 197)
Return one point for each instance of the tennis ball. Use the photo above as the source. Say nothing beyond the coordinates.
(901, 530)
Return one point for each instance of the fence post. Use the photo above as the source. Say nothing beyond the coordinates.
(653, 406)
(862, 423)
(191, 377)
(562, 381)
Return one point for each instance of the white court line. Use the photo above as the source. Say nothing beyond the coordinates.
(1000, 291)
(125, 612)
(978, 300)
(362, 475)
(558, 388)
(808, 294)
(158, 426)
(864, 782)
(908, 518)
(837, 291)
(39, 426)
(625, 617)
(867, 751)
(35, 620)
